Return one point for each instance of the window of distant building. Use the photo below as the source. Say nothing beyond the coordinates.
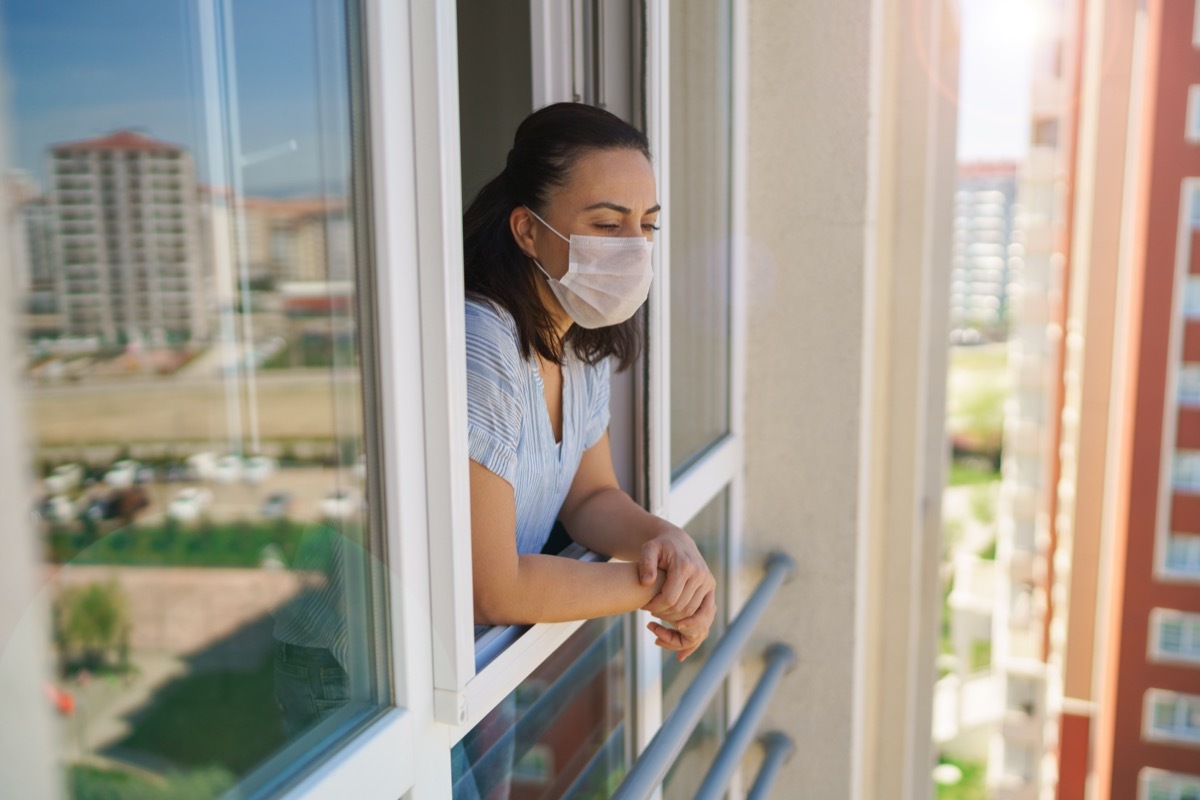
(1191, 297)
(1159, 784)
(1189, 384)
(1174, 635)
(1192, 132)
(1183, 554)
(1172, 715)
(1185, 477)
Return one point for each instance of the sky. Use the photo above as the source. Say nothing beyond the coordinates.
(83, 68)
(78, 69)
(994, 73)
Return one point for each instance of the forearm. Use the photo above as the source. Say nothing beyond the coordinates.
(609, 522)
(547, 588)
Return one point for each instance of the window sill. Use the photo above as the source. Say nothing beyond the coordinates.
(506, 654)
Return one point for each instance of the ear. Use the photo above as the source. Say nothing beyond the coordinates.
(522, 225)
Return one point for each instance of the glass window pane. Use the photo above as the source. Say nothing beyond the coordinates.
(1189, 384)
(563, 732)
(185, 172)
(699, 215)
(710, 530)
(1191, 297)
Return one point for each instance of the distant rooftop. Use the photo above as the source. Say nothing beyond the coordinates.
(980, 169)
(119, 140)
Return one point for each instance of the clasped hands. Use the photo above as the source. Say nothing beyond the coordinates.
(687, 597)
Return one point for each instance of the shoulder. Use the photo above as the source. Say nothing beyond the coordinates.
(491, 329)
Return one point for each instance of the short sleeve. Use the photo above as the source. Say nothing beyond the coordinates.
(599, 382)
(494, 391)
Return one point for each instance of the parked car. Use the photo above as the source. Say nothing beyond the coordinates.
(228, 469)
(64, 478)
(122, 474)
(202, 466)
(99, 507)
(339, 504)
(56, 508)
(190, 504)
(276, 505)
(258, 469)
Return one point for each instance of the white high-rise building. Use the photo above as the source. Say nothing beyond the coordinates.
(983, 238)
(127, 241)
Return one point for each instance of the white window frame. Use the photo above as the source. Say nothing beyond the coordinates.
(1180, 732)
(721, 466)
(1191, 636)
(404, 752)
(416, 168)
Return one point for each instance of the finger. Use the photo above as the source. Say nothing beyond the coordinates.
(694, 600)
(656, 606)
(667, 637)
(673, 589)
(703, 618)
(687, 651)
(648, 564)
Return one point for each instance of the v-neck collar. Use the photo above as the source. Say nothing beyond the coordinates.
(565, 391)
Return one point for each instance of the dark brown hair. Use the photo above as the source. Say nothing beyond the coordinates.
(547, 145)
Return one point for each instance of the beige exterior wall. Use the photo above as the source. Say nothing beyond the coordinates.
(851, 155)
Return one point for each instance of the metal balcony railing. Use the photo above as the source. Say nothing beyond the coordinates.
(655, 761)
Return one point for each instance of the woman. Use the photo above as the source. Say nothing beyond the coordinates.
(557, 261)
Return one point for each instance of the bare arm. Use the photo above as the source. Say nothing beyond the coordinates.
(603, 518)
(512, 589)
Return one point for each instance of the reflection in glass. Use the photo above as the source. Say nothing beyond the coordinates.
(562, 732)
(699, 212)
(181, 193)
(710, 531)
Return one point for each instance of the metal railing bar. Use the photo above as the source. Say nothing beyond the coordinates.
(778, 747)
(648, 771)
(779, 659)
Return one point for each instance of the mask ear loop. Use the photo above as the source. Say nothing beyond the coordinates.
(547, 224)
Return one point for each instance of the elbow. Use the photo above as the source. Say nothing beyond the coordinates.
(497, 605)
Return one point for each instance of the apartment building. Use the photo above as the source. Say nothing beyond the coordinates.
(1116, 589)
(126, 240)
(983, 235)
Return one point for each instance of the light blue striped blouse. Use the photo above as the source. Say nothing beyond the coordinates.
(508, 425)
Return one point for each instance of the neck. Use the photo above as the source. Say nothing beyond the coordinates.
(562, 320)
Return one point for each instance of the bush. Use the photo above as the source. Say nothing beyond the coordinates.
(91, 626)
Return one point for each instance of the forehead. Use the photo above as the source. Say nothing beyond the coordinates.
(621, 176)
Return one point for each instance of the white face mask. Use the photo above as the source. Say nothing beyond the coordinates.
(607, 279)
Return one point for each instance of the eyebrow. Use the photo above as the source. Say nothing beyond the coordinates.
(620, 209)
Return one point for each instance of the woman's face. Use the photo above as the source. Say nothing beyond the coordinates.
(609, 193)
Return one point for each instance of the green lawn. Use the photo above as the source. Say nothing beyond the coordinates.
(973, 785)
(236, 544)
(223, 719)
(92, 783)
(977, 387)
(964, 473)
